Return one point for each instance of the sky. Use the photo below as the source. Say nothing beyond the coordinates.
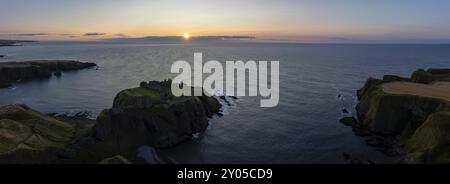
(288, 20)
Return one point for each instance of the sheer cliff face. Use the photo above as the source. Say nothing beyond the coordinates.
(153, 120)
(411, 108)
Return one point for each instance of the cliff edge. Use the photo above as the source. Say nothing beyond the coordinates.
(416, 108)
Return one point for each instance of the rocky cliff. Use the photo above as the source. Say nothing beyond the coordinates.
(28, 136)
(142, 116)
(417, 109)
(19, 71)
(146, 116)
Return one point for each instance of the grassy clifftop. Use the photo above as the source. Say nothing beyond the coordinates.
(415, 108)
(28, 136)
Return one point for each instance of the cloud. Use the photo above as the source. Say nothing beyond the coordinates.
(94, 34)
(30, 34)
(120, 35)
(181, 38)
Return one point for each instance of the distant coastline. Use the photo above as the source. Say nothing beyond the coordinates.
(5, 43)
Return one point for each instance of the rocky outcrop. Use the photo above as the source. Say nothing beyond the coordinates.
(28, 136)
(146, 116)
(19, 71)
(415, 109)
(142, 117)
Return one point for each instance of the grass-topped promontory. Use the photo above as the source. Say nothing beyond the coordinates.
(416, 110)
(148, 94)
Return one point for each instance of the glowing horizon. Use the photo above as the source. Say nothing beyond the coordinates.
(265, 19)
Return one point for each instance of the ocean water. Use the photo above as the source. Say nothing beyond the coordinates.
(316, 82)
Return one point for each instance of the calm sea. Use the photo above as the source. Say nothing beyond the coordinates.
(316, 82)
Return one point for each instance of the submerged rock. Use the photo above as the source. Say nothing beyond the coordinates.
(345, 111)
(349, 121)
(416, 109)
(20, 71)
(57, 73)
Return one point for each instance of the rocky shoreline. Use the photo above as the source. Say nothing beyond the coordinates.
(407, 117)
(142, 118)
(20, 71)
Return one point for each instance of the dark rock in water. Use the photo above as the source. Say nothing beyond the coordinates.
(346, 156)
(219, 114)
(20, 71)
(349, 121)
(362, 132)
(224, 98)
(374, 141)
(2, 56)
(345, 111)
(234, 97)
(390, 152)
(57, 73)
(348, 159)
(4, 84)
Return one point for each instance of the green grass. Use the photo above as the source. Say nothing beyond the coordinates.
(140, 91)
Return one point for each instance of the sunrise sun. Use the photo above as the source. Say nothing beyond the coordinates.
(186, 36)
